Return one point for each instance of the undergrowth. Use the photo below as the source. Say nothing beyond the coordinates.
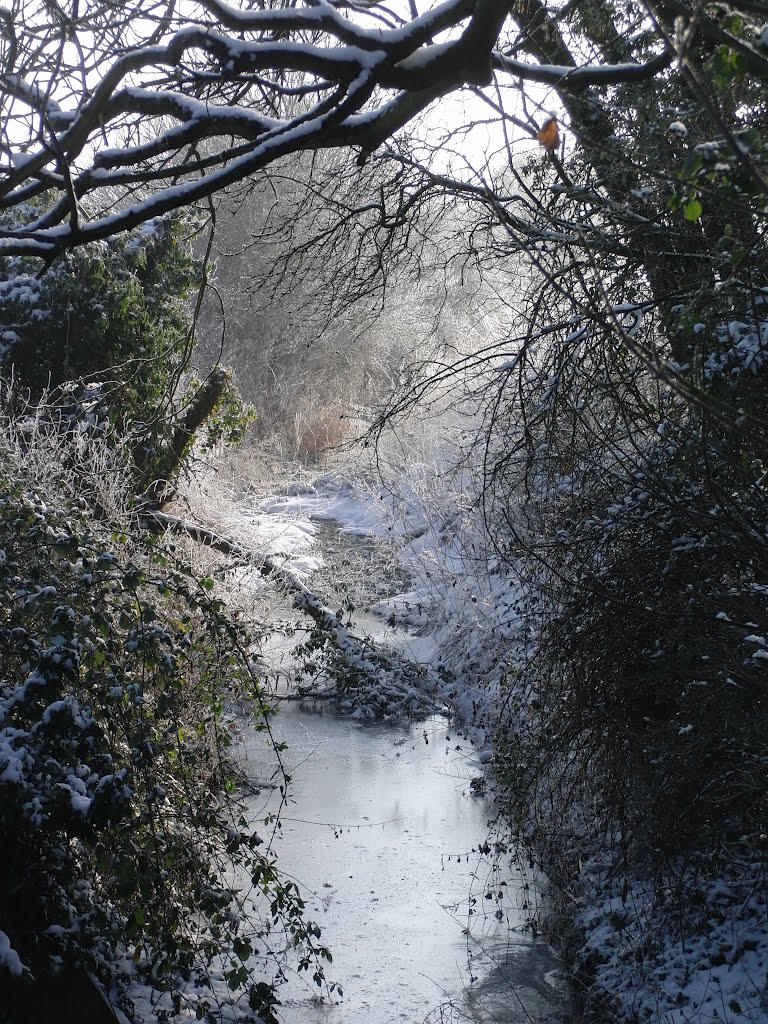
(126, 853)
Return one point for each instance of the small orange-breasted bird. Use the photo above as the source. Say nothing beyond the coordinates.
(549, 136)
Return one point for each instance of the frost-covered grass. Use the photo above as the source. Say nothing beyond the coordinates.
(83, 463)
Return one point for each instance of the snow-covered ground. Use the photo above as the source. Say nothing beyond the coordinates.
(652, 962)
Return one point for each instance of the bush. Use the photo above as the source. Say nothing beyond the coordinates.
(121, 831)
(116, 305)
(103, 340)
(641, 713)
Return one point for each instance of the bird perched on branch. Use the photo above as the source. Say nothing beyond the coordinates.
(549, 135)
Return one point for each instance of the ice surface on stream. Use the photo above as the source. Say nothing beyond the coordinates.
(384, 835)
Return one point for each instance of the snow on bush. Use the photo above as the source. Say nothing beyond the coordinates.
(121, 831)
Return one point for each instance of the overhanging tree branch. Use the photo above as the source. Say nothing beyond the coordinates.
(573, 79)
(254, 86)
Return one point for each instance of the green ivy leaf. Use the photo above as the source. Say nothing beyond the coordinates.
(692, 210)
(674, 201)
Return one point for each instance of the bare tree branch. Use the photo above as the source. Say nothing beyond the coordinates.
(130, 101)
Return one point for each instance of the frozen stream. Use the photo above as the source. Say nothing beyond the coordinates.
(388, 842)
(383, 835)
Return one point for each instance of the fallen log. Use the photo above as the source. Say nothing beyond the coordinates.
(355, 663)
(304, 599)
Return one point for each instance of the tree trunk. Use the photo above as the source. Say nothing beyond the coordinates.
(161, 490)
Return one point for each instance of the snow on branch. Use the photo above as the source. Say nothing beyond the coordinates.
(575, 78)
(126, 127)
